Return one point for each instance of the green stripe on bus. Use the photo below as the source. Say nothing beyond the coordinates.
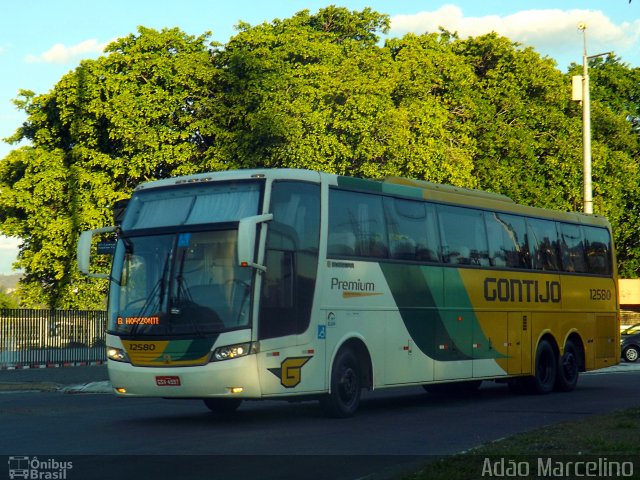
(185, 350)
(444, 334)
(359, 184)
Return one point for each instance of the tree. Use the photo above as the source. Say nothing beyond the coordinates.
(615, 129)
(8, 300)
(530, 141)
(310, 93)
(137, 113)
(313, 91)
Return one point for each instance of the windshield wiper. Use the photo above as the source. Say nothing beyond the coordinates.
(183, 301)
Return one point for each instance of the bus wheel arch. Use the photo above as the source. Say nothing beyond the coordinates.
(351, 370)
(570, 364)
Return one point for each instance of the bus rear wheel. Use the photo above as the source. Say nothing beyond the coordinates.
(346, 384)
(544, 378)
(222, 405)
(568, 368)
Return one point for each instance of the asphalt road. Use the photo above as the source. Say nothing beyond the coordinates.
(393, 430)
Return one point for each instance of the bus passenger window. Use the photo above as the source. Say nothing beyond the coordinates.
(572, 248)
(598, 250)
(463, 236)
(356, 222)
(543, 244)
(412, 230)
(507, 241)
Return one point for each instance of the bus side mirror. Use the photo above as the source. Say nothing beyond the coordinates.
(247, 231)
(84, 251)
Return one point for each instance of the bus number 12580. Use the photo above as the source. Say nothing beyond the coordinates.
(599, 294)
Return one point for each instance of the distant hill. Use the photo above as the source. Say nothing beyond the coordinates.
(9, 282)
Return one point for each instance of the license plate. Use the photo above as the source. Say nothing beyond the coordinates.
(168, 381)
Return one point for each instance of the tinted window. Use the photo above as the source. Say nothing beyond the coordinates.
(356, 225)
(598, 250)
(572, 248)
(543, 244)
(463, 236)
(507, 240)
(412, 230)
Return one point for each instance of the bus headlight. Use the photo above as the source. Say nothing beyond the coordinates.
(234, 351)
(117, 354)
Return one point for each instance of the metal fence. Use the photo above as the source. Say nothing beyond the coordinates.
(46, 337)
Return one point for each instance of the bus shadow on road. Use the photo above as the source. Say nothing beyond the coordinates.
(376, 403)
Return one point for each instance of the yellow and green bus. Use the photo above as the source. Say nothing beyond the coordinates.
(281, 283)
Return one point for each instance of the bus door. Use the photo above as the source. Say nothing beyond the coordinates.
(289, 359)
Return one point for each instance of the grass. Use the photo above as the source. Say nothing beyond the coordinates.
(606, 441)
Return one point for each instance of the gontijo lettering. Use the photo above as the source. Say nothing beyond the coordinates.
(516, 290)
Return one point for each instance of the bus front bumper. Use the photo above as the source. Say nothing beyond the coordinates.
(236, 377)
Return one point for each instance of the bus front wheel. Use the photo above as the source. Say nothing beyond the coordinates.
(346, 384)
(544, 378)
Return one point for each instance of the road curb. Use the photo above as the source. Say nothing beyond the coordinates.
(92, 387)
(29, 386)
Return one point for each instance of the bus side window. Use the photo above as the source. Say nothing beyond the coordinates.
(543, 244)
(356, 225)
(463, 236)
(572, 248)
(507, 240)
(598, 250)
(412, 230)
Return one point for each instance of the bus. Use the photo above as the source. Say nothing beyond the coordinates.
(295, 284)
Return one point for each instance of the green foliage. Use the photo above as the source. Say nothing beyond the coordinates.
(137, 113)
(8, 300)
(615, 125)
(317, 91)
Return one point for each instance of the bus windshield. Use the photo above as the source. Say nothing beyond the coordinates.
(175, 268)
(179, 283)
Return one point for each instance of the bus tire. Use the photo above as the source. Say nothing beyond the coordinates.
(546, 369)
(346, 385)
(568, 368)
(222, 405)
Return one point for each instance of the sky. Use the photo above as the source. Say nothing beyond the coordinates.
(42, 40)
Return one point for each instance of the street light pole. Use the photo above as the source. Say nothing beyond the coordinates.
(586, 128)
(586, 123)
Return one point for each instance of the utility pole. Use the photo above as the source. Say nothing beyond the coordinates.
(586, 127)
(583, 96)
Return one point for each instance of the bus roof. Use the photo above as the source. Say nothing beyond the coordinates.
(391, 185)
(438, 187)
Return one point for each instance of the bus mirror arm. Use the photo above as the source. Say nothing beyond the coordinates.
(247, 232)
(84, 251)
